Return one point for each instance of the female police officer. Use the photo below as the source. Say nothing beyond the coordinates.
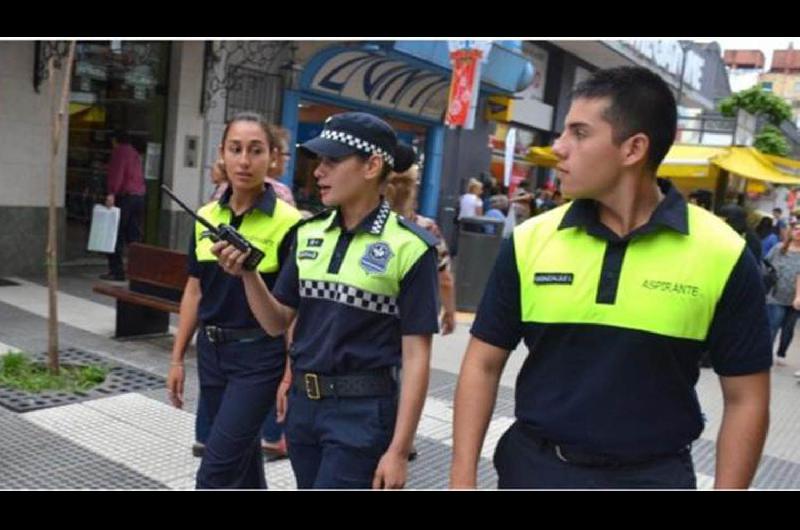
(362, 285)
(238, 364)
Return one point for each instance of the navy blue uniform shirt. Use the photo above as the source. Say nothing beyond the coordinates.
(335, 338)
(223, 301)
(614, 390)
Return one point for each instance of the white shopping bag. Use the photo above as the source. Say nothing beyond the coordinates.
(105, 225)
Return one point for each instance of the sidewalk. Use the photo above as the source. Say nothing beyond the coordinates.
(138, 441)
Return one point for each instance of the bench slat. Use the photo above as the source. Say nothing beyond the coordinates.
(157, 265)
(137, 298)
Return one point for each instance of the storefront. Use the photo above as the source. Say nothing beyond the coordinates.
(116, 86)
(404, 82)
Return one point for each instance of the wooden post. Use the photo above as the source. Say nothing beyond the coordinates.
(52, 221)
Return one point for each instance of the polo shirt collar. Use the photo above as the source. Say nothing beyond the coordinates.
(266, 203)
(671, 213)
(373, 223)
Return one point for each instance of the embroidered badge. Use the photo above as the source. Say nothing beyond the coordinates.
(553, 278)
(307, 254)
(314, 242)
(376, 259)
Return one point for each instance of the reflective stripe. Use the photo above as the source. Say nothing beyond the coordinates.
(265, 232)
(348, 295)
(373, 263)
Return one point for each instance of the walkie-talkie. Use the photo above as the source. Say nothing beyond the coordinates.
(224, 232)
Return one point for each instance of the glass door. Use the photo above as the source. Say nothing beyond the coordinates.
(116, 86)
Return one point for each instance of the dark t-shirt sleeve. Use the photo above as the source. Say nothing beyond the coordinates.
(418, 301)
(498, 321)
(192, 265)
(739, 336)
(287, 287)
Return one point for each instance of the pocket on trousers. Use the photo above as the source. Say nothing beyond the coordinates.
(499, 457)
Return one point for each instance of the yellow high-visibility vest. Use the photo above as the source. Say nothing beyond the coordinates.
(669, 282)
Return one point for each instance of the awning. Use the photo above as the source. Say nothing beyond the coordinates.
(681, 161)
(542, 156)
(688, 161)
(699, 161)
(750, 163)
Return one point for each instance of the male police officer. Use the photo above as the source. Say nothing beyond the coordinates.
(363, 285)
(616, 295)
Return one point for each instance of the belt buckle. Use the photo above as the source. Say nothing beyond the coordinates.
(312, 386)
(211, 333)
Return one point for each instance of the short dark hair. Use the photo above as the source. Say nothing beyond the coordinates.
(777, 210)
(640, 102)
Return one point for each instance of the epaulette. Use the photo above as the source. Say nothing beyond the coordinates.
(423, 234)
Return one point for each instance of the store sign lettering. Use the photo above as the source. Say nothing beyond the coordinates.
(383, 82)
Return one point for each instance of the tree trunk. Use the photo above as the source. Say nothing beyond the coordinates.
(52, 221)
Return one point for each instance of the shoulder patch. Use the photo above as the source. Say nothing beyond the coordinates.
(316, 217)
(423, 234)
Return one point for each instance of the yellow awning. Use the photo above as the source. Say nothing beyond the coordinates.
(688, 161)
(787, 165)
(750, 163)
(542, 156)
(697, 162)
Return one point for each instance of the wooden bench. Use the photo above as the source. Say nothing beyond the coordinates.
(156, 279)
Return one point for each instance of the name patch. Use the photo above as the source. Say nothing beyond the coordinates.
(307, 254)
(314, 242)
(553, 278)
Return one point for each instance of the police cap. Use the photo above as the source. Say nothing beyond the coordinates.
(350, 132)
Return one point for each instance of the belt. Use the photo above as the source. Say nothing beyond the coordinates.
(583, 458)
(217, 335)
(376, 383)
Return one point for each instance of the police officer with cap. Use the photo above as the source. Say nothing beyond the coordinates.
(362, 286)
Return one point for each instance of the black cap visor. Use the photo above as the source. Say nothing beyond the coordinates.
(330, 148)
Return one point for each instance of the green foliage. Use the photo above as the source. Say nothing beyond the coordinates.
(757, 101)
(17, 370)
(771, 141)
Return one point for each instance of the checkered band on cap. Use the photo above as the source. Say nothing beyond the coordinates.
(348, 295)
(354, 141)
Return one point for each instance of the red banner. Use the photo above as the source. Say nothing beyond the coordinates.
(463, 87)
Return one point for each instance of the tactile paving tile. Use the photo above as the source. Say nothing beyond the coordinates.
(280, 475)
(141, 433)
(431, 469)
(776, 473)
(33, 458)
(704, 456)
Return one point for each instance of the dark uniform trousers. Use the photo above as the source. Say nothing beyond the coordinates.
(238, 381)
(524, 462)
(337, 442)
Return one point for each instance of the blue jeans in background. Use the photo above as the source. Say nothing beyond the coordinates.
(783, 318)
